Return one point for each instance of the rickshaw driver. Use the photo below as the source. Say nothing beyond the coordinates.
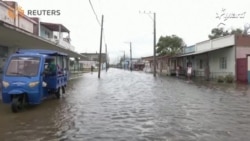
(51, 69)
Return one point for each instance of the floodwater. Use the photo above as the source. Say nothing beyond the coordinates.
(134, 106)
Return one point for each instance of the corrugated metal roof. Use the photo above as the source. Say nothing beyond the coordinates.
(41, 51)
(200, 52)
(54, 26)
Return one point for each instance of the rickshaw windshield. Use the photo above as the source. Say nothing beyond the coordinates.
(23, 66)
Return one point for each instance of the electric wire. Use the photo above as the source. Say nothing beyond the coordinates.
(94, 12)
(98, 21)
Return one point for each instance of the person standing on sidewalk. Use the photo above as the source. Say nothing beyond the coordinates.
(177, 70)
(92, 68)
(189, 72)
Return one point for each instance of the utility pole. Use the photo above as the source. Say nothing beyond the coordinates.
(130, 64)
(154, 41)
(100, 53)
(106, 57)
(124, 61)
(154, 45)
(130, 56)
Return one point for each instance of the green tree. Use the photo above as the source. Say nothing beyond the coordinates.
(169, 45)
(219, 32)
(237, 31)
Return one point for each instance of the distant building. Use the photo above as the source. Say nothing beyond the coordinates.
(162, 64)
(138, 64)
(93, 60)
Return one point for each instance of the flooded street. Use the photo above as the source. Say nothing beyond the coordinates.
(133, 106)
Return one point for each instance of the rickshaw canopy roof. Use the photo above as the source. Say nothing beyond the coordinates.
(41, 51)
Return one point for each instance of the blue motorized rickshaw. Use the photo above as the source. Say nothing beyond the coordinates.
(30, 76)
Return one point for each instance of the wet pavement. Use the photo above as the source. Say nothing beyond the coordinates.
(134, 106)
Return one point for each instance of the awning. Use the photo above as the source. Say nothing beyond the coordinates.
(12, 36)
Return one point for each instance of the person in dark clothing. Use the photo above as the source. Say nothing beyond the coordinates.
(51, 69)
(92, 68)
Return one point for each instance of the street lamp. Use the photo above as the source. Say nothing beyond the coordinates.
(154, 41)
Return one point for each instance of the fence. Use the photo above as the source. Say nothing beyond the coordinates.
(213, 75)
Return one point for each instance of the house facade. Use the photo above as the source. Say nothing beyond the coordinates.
(19, 31)
(149, 62)
(162, 64)
(222, 56)
(210, 59)
(137, 64)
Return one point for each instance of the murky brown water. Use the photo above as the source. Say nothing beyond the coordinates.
(125, 106)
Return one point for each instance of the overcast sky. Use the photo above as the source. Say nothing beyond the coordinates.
(192, 20)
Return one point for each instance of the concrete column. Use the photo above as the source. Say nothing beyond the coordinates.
(60, 32)
(39, 27)
(16, 14)
(69, 37)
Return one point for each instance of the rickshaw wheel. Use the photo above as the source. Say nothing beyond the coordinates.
(16, 105)
(58, 93)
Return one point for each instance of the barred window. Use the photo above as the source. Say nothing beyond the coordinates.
(223, 63)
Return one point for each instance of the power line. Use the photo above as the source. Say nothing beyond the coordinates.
(97, 19)
(94, 13)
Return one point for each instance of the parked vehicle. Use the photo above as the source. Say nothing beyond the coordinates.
(29, 76)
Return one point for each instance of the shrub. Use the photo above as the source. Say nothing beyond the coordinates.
(220, 79)
(229, 78)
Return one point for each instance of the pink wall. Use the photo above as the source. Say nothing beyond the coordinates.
(242, 40)
(241, 52)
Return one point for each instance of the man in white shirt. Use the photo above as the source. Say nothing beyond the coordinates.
(189, 72)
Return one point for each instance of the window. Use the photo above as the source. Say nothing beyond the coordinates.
(23, 66)
(47, 34)
(223, 63)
